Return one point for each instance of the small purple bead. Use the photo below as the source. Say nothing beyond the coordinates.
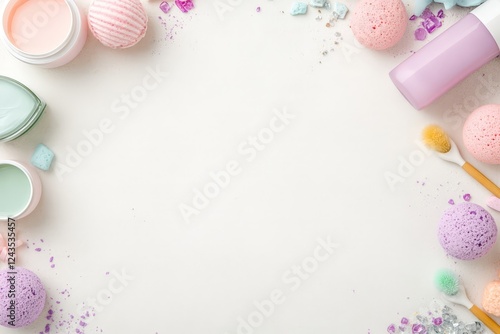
(391, 329)
(437, 321)
(420, 34)
(405, 321)
(165, 7)
(467, 197)
(452, 202)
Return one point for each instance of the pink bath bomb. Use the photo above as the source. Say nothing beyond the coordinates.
(491, 298)
(118, 23)
(28, 295)
(481, 134)
(467, 231)
(379, 24)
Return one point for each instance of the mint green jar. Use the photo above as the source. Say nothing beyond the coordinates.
(20, 109)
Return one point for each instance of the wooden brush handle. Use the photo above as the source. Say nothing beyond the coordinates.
(482, 179)
(495, 328)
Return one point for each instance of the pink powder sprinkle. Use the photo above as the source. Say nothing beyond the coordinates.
(38, 249)
(467, 197)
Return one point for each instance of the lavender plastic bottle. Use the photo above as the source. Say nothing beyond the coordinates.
(451, 57)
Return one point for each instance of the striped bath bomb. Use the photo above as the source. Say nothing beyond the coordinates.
(118, 23)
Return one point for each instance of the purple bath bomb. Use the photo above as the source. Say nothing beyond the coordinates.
(29, 297)
(467, 231)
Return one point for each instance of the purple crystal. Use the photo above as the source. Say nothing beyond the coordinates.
(426, 14)
(405, 321)
(258, 9)
(420, 35)
(391, 329)
(184, 5)
(413, 17)
(452, 202)
(440, 14)
(417, 329)
(165, 7)
(437, 321)
(467, 197)
(431, 24)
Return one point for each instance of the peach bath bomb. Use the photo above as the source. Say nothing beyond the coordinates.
(481, 134)
(491, 298)
(118, 24)
(379, 24)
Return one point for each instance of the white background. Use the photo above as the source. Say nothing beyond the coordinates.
(322, 177)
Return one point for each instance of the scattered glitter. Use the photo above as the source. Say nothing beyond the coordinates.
(38, 249)
(165, 7)
(51, 259)
(257, 10)
(438, 319)
(467, 197)
(440, 14)
(413, 17)
(184, 5)
(451, 201)
(319, 18)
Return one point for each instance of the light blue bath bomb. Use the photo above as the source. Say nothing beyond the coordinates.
(42, 157)
(298, 8)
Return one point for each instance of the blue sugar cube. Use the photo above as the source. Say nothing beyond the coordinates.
(298, 8)
(42, 157)
(317, 3)
(340, 10)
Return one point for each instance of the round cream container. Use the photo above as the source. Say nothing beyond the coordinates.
(45, 33)
(20, 190)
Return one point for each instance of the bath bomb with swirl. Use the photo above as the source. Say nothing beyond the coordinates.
(118, 23)
(22, 298)
(491, 298)
(481, 134)
(379, 24)
(467, 231)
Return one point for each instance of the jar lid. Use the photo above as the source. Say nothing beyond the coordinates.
(20, 108)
